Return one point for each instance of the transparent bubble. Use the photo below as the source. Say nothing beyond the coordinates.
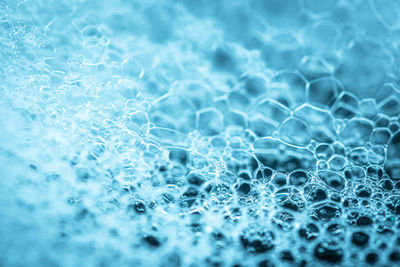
(392, 164)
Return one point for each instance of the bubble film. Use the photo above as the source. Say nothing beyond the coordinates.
(199, 133)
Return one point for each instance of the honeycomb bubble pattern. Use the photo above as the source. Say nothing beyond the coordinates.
(199, 133)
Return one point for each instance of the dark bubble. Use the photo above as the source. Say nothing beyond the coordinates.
(355, 172)
(244, 188)
(359, 238)
(375, 172)
(326, 211)
(265, 263)
(309, 232)
(364, 221)
(290, 198)
(332, 179)
(329, 251)
(298, 178)
(286, 255)
(283, 220)
(224, 59)
(394, 256)
(138, 207)
(372, 258)
(363, 191)
(315, 193)
(336, 229)
(393, 204)
(196, 179)
(152, 241)
(279, 179)
(350, 202)
(178, 155)
(386, 184)
(257, 241)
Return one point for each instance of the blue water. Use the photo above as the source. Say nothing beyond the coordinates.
(199, 133)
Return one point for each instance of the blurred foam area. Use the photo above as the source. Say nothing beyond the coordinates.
(199, 133)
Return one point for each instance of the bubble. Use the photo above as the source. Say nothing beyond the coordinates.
(234, 120)
(290, 199)
(359, 156)
(332, 179)
(359, 239)
(390, 106)
(372, 258)
(289, 88)
(139, 207)
(377, 155)
(152, 241)
(380, 136)
(239, 101)
(394, 127)
(209, 122)
(375, 172)
(265, 175)
(382, 121)
(323, 92)
(353, 75)
(178, 155)
(295, 131)
(319, 122)
(282, 46)
(195, 178)
(392, 165)
(257, 241)
(159, 17)
(279, 179)
(272, 111)
(298, 178)
(290, 159)
(394, 256)
(368, 108)
(254, 84)
(356, 132)
(364, 221)
(326, 211)
(244, 188)
(386, 184)
(324, 151)
(364, 191)
(173, 112)
(337, 163)
(336, 229)
(393, 204)
(265, 263)
(315, 193)
(354, 172)
(329, 251)
(309, 232)
(261, 127)
(286, 255)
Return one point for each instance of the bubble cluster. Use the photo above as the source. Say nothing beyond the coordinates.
(199, 133)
